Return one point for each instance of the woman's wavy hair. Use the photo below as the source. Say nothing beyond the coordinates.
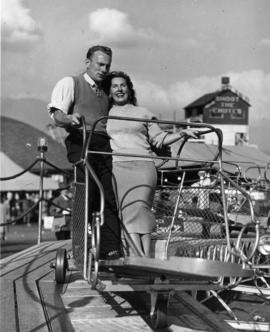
(107, 85)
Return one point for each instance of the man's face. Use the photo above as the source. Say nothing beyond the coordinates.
(98, 66)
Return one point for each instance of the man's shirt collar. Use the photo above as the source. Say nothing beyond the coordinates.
(89, 79)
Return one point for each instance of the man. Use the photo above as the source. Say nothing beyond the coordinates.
(60, 209)
(72, 98)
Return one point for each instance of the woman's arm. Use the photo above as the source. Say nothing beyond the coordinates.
(159, 137)
(174, 137)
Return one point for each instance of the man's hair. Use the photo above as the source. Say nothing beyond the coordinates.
(93, 49)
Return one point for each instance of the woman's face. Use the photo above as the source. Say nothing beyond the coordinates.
(119, 91)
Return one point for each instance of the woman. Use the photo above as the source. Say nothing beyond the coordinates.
(136, 177)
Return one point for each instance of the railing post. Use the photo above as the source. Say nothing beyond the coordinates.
(42, 147)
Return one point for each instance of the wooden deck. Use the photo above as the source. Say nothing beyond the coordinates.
(24, 291)
(32, 301)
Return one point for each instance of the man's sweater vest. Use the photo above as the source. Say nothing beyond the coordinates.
(88, 104)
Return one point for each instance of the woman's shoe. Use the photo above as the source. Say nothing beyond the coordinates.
(111, 255)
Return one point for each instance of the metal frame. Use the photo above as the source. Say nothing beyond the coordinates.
(164, 280)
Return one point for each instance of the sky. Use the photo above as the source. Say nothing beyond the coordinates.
(174, 50)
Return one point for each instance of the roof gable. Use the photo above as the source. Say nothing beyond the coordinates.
(202, 101)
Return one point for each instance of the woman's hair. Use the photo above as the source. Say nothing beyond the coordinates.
(107, 85)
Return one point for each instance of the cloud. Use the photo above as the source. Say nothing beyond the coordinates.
(19, 30)
(265, 42)
(153, 96)
(166, 101)
(191, 43)
(255, 84)
(113, 27)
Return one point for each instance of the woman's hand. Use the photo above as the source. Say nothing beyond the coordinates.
(190, 132)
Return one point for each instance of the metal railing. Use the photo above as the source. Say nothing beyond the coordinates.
(236, 250)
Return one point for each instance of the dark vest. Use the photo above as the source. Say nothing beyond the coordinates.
(88, 104)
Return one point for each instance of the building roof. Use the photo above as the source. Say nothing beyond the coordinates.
(19, 142)
(207, 98)
(202, 101)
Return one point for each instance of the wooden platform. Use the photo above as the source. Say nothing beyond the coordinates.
(32, 301)
(24, 293)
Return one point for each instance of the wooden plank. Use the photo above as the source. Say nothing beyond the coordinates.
(20, 254)
(78, 283)
(89, 309)
(30, 312)
(23, 270)
(182, 316)
(83, 305)
(101, 312)
(7, 305)
(32, 261)
(105, 305)
(35, 269)
(119, 324)
(24, 255)
(83, 302)
(199, 310)
(17, 261)
(56, 315)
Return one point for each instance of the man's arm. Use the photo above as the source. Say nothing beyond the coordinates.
(64, 120)
(62, 100)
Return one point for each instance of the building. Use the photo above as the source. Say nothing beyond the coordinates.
(226, 109)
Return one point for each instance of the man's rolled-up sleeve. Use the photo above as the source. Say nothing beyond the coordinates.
(62, 96)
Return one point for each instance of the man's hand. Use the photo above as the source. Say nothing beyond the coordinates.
(75, 119)
(66, 120)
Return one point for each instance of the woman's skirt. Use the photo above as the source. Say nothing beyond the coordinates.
(135, 188)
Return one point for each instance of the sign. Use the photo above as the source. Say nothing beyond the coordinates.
(222, 112)
(228, 109)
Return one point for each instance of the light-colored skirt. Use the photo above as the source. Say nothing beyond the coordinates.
(135, 188)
